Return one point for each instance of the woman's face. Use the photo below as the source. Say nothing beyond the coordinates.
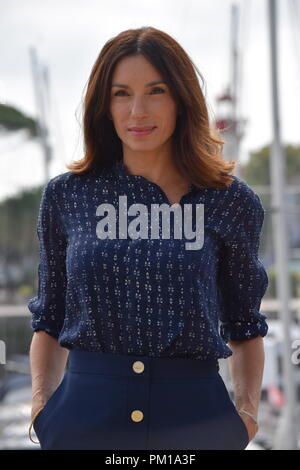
(135, 102)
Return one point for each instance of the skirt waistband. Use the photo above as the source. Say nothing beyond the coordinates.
(133, 365)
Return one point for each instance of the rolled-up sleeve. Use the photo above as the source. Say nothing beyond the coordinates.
(48, 306)
(242, 278)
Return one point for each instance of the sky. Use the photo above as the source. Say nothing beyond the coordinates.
(69, 34)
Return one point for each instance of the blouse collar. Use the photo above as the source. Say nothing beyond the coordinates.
(121, 171)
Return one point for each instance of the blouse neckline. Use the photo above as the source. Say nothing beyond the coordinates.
(122, 173)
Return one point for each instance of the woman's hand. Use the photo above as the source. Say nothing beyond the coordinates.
(252, 428)
(39, 399)
(47, 363)
(36, 406)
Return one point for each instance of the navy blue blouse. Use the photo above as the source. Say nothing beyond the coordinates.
(144, 295)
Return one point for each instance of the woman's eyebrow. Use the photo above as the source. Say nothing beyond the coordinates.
(120, 85)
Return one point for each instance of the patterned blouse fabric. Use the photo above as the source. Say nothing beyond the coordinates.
(123, 294)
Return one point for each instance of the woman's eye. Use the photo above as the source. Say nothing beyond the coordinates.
(159, 89)
(154, 89)
(120, 91)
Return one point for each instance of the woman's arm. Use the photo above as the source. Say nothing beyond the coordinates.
(246, 366)
(47, 363)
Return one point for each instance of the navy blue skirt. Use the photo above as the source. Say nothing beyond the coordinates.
(120, 402)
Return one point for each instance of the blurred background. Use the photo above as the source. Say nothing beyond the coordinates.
(248, 52)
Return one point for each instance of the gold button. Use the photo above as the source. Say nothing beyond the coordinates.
(137, 416)
(138, 367)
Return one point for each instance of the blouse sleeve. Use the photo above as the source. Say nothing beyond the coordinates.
(243, 279)
(48, 306)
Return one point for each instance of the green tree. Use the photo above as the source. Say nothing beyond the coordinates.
(257, 169)
(11, 119)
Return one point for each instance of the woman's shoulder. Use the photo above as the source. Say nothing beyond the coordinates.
(234, 206)
(60, 179)
(67, 177)
(70, 181)
(241, 194)
(238, 195)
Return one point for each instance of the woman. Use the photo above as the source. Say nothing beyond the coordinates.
(135, 317)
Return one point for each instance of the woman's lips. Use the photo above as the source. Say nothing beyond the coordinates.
(142, 132)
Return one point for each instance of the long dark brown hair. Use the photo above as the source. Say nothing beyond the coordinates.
(197, 145)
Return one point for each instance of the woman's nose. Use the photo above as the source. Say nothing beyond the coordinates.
(138, 106)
